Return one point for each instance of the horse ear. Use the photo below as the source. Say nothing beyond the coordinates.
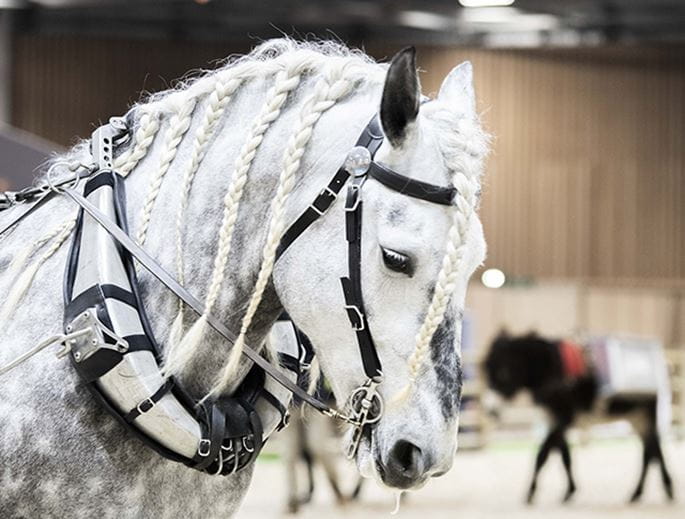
(457, 89)
(401, 96)
(503, 333)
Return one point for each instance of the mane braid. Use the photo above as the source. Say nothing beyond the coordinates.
(144, 136)
(285, 82)
(215, 106)
(328, 90)
(178, 126)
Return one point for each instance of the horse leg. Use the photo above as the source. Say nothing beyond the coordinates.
(543, 454)
(328, 462)
(566, 459)
(665, 476)
(647, 455)
(357, 489)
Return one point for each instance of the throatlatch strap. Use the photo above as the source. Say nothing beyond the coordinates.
(352, 285)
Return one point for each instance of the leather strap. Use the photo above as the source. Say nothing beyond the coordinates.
(316, 210)
(352, 285)
(35, 205)
(411, 187)
(147, 404)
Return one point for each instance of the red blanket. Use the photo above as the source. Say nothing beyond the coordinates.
(572, 359)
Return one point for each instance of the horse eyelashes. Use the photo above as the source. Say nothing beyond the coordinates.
(397, 262)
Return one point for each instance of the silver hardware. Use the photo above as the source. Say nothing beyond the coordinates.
(359, 315)
(365, 408)
(316, 209)
(103, 140)
(149, 401)
(358, 161)
(248, 449)
(204, 447)
(329, 191)
(85, 345)
(63, 340)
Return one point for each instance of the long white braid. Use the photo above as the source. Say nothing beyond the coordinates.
(216, 103)
(178, 126)
(448, 277)
(24, 281)
(285, 82)
(327, 92)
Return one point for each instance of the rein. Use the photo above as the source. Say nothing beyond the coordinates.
(365, 405)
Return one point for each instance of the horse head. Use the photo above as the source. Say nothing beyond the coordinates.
(416, 258)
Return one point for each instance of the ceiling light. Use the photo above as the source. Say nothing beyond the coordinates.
(493, 278)
(485, 3)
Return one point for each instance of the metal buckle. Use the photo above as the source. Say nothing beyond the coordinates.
(207, 444)
(150, 404)
(316, 209)
(329, 191)
(248, 449)
(359, 314)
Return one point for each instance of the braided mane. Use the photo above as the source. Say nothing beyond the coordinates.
(284, 63)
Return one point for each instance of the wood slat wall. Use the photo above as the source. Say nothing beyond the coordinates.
(587, 174)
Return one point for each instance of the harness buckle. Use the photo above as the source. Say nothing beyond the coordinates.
(204, 447)
(145, 406)
(353, 310)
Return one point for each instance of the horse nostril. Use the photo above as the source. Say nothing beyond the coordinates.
(405, 459)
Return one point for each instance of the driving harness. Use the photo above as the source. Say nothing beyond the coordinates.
(110, 342)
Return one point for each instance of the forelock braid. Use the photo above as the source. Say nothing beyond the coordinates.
(216, 103)
(178, 125)
(450, 271)
(285, 82)
(327, 92)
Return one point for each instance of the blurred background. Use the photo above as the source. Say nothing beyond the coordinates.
(583, 201)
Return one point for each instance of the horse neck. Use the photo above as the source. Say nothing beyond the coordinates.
(544, 364)
(205, 210)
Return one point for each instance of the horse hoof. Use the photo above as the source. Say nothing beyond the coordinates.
(635, 497)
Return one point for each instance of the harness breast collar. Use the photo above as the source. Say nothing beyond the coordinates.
(111, 343)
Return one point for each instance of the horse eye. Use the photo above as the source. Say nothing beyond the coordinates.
(397, 262)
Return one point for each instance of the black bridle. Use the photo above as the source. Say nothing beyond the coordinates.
(365, 405)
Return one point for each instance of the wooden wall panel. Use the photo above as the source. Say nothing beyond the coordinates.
(586, 177)
(587, 174)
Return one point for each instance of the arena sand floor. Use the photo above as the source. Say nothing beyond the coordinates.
(491, 483)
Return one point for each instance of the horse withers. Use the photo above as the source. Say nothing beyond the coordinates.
(561, 378)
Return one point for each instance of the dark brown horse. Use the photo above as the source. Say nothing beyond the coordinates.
(541, 367)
